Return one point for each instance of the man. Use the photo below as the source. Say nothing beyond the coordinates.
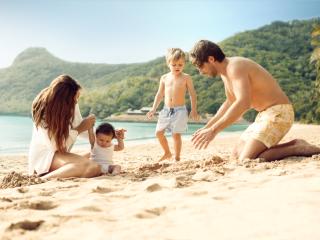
(248, 85)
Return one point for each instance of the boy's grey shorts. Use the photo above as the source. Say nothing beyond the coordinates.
(173, 120)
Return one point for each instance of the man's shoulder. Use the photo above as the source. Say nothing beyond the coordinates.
(239, 65)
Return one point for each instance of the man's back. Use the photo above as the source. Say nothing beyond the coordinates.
(264, 89)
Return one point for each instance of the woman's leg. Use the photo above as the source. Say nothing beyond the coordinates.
(72, 165)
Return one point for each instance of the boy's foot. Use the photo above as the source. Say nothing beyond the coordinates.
(166, 156)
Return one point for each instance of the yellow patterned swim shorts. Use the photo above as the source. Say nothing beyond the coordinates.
(271, 125)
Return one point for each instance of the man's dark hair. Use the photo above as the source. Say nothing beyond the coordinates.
(107, 129)
(202, 50)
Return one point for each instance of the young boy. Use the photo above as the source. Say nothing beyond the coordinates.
(102, 147)
(174, 116)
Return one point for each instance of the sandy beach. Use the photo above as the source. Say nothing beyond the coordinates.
(207, 195)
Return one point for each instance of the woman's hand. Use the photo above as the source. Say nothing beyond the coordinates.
(86, 123)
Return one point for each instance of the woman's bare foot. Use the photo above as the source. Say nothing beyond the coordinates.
(166, 156)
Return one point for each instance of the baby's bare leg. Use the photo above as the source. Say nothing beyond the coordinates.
(164, 144)
(177, 145)
(114, 169)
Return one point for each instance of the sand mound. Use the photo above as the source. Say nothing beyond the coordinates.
(14, 179)
(213, 163)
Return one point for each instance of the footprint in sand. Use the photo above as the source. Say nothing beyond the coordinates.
(99, 189)
(90, 209)
(220, 198)
(22, 190)
(6, 199)
(151, 213)
(154, 187)
(46, 193)
(38, 205)
(183, 181)
(197, 193)
(25, 225)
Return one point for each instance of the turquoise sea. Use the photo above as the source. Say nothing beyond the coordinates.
(15, 132)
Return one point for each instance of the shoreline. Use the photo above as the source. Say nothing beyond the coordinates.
(202, 196)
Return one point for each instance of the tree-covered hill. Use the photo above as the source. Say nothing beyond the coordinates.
(283, 48)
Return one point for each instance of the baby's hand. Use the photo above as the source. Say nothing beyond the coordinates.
(120, 133)
(150, 114)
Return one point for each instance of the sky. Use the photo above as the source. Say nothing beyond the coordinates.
(129, 31)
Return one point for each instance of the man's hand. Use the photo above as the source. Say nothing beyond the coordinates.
(150, 114)
(194, 115)
(203, 137)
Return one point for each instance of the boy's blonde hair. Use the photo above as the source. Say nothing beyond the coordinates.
(174, 54)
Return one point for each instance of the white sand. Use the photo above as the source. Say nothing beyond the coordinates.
(201, 197)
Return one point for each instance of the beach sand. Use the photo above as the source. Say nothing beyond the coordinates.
(206, 195)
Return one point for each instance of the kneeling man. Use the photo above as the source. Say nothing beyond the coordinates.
(248, 85)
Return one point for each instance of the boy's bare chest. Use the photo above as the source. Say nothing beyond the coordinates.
(175, 83)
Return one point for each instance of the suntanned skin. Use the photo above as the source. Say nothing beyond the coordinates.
(172, 89)
(66, 164)
(247, 85)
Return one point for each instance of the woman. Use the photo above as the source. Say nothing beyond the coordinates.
(57, 123)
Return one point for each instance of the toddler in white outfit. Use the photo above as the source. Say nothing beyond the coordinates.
(102, 147)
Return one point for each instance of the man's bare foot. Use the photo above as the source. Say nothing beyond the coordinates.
(177, 158)
(303, 148)
(166, 156)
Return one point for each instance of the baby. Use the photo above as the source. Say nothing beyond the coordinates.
(102, 147)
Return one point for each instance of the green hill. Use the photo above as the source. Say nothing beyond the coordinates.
(282, 47)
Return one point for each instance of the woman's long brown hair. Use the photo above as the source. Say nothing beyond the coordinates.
(53, 109)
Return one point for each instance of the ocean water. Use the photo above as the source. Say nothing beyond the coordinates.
(15, 133)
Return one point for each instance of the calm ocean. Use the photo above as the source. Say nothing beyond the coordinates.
(15, 133)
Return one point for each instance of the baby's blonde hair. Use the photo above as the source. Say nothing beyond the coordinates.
(174, 54)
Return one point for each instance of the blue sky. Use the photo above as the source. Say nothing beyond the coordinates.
(126, 31)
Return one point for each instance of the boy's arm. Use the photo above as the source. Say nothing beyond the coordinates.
(158, 98)
(193, 99)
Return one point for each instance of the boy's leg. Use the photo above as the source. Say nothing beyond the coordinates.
(164, 144)
(177, 145)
